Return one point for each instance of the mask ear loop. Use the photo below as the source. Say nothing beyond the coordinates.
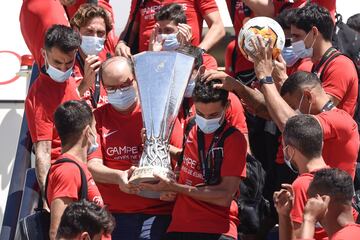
(301, 100)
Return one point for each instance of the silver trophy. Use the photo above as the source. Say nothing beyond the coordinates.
(161, 79)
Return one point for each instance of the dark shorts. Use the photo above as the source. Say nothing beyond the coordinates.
(138, 226)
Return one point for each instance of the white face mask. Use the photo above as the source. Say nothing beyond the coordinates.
(171, 42)
(91, 45)
(208, 125)
(287, 160)
(56, 74)
(94, 146)
(122, 99)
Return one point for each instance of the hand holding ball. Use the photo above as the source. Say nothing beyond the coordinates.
(265, 27)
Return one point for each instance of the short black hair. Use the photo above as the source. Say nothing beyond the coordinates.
(172, 12)
(204, 92)
(354, 22)
(298, 80)
(284, 18)
(62, 37)
(312, 15)
(334, 182)
(305, 134)
(85, 216)
(194, 52)
(70, 120)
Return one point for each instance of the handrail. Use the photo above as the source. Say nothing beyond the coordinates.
(21, 164)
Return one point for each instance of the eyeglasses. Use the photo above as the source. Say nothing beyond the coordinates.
(123, 87)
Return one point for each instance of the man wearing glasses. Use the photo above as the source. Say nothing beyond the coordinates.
(119, 125)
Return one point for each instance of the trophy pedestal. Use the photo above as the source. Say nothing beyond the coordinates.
(146, 175)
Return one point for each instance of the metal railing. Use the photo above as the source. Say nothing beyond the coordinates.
(21, 164)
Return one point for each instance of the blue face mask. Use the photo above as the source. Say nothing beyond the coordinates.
(91, 45)
(301, 51)
(208, 125)
(289, 56)
(122, 99)
(56, 74)
(94, 146)
(171, 42)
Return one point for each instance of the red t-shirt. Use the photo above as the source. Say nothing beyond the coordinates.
(64, 180)
(44, 96)
(328, 4)
(235, 114)
(304, 64)
(341, 81)
(35, 19)
(191, 215)
(300, 187)
(195, 11)
(121, 148)
(350, 231)
(209, 62)
(341, 140)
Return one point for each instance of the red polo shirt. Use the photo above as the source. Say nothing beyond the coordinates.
(304, 64)
(350, 231)
(44, 96)
(340, 80)
(300, 187)
(341, 140)
(36, 17)
(121, 148)
(195, 11)
(191, 215)
(64, 180)
(328, 4)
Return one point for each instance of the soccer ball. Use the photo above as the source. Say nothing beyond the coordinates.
(268, 29)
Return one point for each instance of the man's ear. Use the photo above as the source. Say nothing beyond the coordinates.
(86, 131)
(43, 52)
(315, 31)
(309, 97)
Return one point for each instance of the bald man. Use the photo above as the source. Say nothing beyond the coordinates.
(118, 125)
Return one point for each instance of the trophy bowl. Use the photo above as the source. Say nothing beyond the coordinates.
(161, 78)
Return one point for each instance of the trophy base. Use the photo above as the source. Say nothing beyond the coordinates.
(146, 175)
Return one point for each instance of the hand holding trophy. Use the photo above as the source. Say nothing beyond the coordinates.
(162, 78)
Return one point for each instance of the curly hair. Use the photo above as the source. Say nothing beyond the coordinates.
(87, 12)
